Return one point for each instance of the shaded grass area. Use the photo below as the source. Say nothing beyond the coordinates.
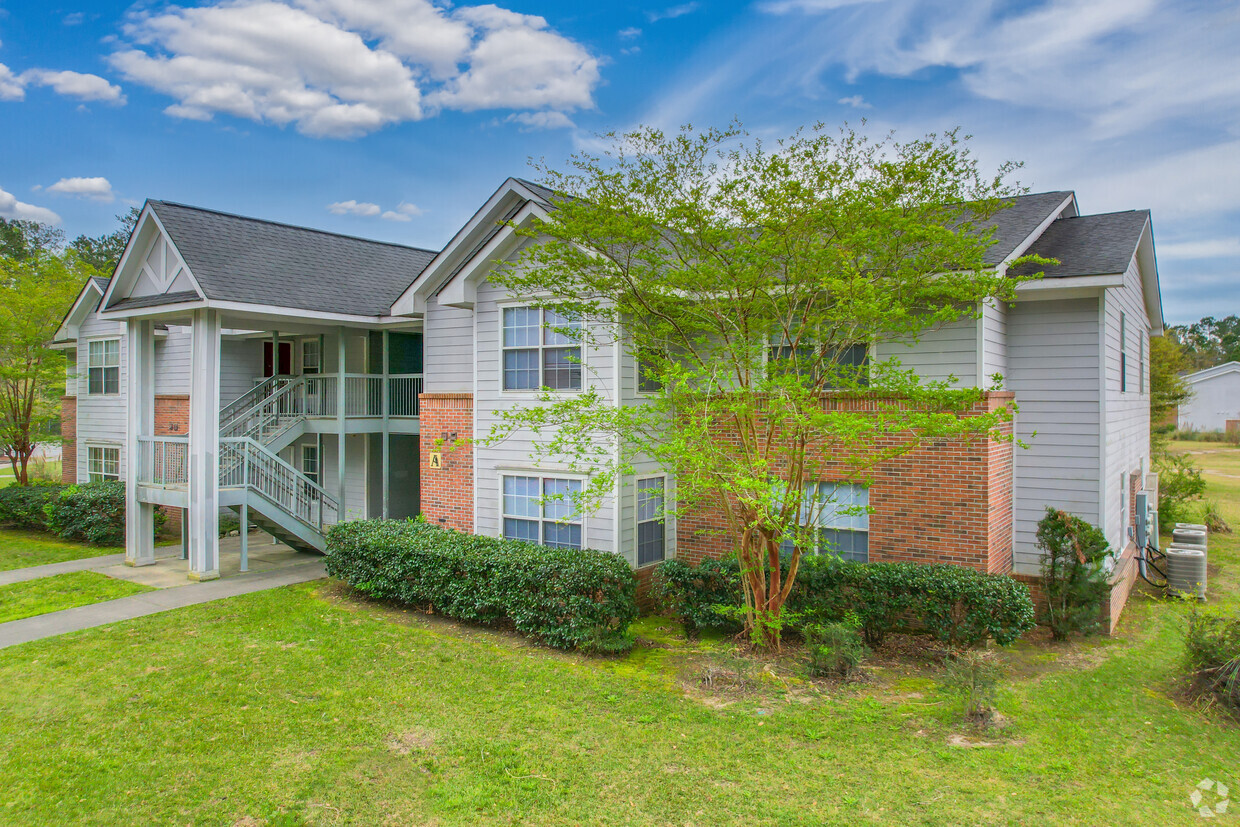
(307, 705)
(19, 549)
(61, 591)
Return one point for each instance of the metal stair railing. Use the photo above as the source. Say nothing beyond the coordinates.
(271, 415)
(254, 396)
(248, 464)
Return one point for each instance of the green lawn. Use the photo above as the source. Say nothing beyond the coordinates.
(63, 591)
(304, 705)
(19, 549)
(52, 470)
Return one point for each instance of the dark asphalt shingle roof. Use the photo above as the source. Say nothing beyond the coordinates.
(156, 300)
(1089, 245)
(100, 282)
(1014, 224)
(253, 261)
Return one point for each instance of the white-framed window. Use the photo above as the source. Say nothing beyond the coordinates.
(842, 520)
(651, 525)
(1141, 364)
(103, 366)
(1123, 353)
(854, 359)
(310, 462)
(647, 382)
(311, 357)
(541, 510)
(102, 463)
(537, 352)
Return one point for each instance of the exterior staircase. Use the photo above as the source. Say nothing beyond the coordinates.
(281, 500)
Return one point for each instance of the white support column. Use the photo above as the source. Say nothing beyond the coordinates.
(275, 353)
(340, 422)
(140, 395)
(204, 447)
(387, 430)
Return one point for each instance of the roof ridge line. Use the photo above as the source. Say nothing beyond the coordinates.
(292, 226)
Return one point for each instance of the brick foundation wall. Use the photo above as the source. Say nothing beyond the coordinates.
(68, 439)
(947, 501)
(447, 492)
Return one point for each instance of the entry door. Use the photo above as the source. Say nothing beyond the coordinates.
(286, 359)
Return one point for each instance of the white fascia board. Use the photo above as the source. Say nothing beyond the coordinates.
(1021, 248)
(413, 300)
(1063, 283)
(461, 291)
(1212, 372)
(260, 313)
(1147, 266)
(78, 311)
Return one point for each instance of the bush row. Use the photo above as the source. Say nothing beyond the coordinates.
(566, 598)
(959, 606)
(93, 512)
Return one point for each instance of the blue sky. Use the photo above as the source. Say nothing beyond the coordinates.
(395, 119)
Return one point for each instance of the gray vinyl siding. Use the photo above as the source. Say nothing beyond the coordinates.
(1215, 399)
(355, 472)
(449, 349)
(1053, 368)
(1127, 413)
(994, 356)
(241, 363)
(939, 353)
(172, 361)
(515, 454)
(101, 419)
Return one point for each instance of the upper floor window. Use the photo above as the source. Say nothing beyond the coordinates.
(310, 356)
(103, 366)
(103, 463)
(541, 349)
(1123, 353)
(310, 462)
(542, 510)
(651, 529)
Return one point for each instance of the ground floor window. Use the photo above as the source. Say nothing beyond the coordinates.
(542, 510)
(651, 530)
(840, 513)
(310, 462)
(103, 463)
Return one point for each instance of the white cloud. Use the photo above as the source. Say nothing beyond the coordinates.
(404, 212)
(95, 189)
(1201, 182)
(629, 33)
(344, 68)
(74, 18)
(352, 207)
(855, 101)
(1196, 250)
(13, 209)
(807, 6)
(672, 12)
(11, 87)
(533, 121)
(76, 85)
(392, 215)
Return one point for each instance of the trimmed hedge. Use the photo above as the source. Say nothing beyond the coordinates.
(566, 598)
(93, 512)
(956, 605)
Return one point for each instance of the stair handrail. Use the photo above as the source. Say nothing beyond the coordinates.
(247, 400)
(264, 410)
(282, 479)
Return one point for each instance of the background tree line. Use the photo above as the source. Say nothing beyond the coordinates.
(40, 275)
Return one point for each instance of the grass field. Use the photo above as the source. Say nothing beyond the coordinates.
(305, 705)
(63, 591)
(51, 470)
(19, 549)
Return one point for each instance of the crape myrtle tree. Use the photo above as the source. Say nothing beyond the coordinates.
(746, 280)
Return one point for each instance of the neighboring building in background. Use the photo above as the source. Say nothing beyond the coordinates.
(321, 361)
(1215, 400)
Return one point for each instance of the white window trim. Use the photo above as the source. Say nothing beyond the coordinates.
(541, 474)
(526, 393)
(318, 462)
(637, 521)
(120, 360)
(105, 446)
(318, 368)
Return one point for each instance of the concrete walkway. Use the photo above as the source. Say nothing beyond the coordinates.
(85, 564)
(149, 603)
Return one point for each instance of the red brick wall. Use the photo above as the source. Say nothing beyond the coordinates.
(68, 439)
(448, 492)
(172, 415)
(948, 501)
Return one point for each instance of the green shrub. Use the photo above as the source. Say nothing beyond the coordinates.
(1179, 484)
(957, 605)
(835, 649)
(692, 593)
(566, 598)
(1073, 579)
(93, 512)
(973, 676)
(1212, 654)
(22, 506)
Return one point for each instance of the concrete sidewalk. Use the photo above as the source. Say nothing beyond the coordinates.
(85, 564)
(149, 603)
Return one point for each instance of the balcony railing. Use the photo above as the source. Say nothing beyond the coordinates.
(363, 395)
(163, 460)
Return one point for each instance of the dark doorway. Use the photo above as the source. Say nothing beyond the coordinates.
(286, 359)
(404, 495)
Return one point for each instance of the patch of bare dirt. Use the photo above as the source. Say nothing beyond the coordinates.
(415, 741)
